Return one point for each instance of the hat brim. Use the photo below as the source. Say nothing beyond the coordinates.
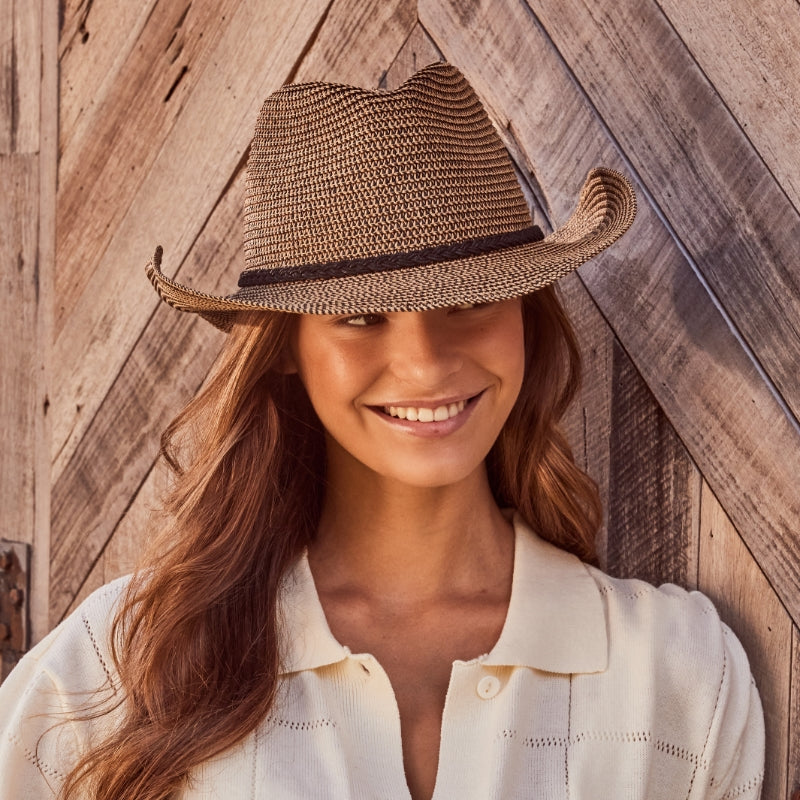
(606, 209)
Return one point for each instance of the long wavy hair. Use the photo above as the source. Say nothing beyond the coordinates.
(196, 642)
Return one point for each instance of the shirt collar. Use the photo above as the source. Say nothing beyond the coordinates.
(556, 618)
(555, 622)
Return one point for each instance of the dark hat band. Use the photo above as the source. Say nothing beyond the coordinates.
(391, 261)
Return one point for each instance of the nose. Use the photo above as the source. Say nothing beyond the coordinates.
(425, 350)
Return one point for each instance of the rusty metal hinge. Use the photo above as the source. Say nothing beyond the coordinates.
(14, 590)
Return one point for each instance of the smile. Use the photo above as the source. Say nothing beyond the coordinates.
(426, 414)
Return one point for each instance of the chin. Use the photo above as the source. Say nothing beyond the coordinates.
(436, 475)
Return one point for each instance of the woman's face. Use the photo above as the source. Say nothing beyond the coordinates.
(417, 397)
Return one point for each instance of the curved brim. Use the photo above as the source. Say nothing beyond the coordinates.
(606, 209)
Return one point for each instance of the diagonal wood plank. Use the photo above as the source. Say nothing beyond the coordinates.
(752, 57)
(587, 422)
(199, 154)
(793, 778)
(698, 165)
(417, 51)
(730, 423)
(163, 371)
(96, 42)
(110, 462)
(357, 40)
(103, 165)
(131, 538)
(733, 580)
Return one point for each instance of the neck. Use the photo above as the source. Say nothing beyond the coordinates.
(411, 544)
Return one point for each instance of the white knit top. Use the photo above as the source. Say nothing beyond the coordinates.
(598, 688)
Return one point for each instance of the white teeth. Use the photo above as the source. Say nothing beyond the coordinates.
(440, 414)
(425, 414)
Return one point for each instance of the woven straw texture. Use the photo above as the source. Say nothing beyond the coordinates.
(349, 191)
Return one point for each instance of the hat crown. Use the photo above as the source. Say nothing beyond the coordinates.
(336, 172)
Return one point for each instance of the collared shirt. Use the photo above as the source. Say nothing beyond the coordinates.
(597, 688)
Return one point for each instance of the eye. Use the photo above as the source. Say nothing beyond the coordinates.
(362, 320)
(468, 306)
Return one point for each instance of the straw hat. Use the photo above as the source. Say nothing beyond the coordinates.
(370, 201)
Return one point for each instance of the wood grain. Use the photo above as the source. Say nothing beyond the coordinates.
(341, 52)
(130, 538)
(733, 580)
(8, 80)
(417, 51)
(96, 43)
(163, 371)
(198, 153)
(713, 396)
(742, 230)
(793, 778)
(20, 76)
(654, 487)
(38, 608)
(751, 55)
(19, 359)
(28, 105)
(102, 170)
(588, 420)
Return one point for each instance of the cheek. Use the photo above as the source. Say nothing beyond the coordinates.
(331, 376)
(505, 346)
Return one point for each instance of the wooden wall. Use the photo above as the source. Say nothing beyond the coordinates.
(690, 325)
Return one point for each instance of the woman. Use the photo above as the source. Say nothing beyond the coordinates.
(369, 583)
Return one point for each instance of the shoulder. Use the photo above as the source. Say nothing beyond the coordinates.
(689, 675)
(80, 645)
(638, 612)
(673, 637)
(69, 672)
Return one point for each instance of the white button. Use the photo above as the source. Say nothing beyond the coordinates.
(488, 687)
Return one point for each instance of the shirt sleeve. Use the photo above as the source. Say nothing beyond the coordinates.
(38, 741)
(62, 678)
(736, 737)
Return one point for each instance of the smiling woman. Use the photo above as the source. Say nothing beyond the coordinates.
(375, 575)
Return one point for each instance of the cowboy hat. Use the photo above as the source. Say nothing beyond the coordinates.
(375, 201)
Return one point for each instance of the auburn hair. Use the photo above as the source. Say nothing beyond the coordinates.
(196, 641)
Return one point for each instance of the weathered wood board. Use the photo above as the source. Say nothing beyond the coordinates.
(794, 718)
(175, 350)
(686, 149)
(654, 487)
(19, 360)
(199, 152)
(28, 106)
(732, 578)
(751, 55)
